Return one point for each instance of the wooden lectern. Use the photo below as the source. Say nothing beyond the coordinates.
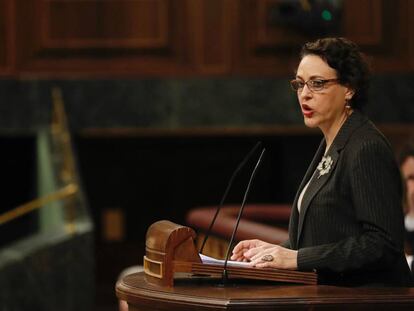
(170, 249)
(246, 295)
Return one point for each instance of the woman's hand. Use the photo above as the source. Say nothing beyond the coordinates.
(246, 249)
(276, 257)
(257, 251)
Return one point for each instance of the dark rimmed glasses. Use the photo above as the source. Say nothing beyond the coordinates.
(314, 85)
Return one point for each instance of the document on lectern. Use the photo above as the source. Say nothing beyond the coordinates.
(230, 263)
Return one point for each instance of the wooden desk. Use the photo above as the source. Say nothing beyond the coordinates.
(203, 294)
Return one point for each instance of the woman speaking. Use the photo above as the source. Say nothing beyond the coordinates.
(347, 218)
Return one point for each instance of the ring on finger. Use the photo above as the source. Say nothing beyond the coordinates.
(267, 258)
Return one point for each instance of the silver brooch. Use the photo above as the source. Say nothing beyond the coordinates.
(325, 165)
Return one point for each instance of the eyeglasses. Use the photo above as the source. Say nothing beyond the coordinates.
(314, 85)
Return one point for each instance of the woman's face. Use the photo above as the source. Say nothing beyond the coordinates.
(407, 171)
(322, 108)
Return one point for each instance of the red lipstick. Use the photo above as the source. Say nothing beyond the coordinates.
(307, 111)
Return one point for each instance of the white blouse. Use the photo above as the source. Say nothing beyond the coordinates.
(306, 187)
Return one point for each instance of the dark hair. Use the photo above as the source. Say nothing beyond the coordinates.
(349, 62)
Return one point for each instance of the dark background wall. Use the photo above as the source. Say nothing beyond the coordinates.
(184, 103)
(18, 167)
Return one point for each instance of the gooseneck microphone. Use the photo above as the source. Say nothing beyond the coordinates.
(230, 183)
(246, 193)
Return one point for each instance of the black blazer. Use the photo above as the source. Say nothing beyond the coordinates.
(409, 238)
(350, 228)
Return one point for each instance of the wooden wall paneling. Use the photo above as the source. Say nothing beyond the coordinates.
(269, 35)
(185, 37)
(263, 48)
(211, 31)
(4, 52)
(7, 47)
(380, 27)
(137, 37)
(392, 55)
(120, 24)
(362, 21)
(3, 36)
(398, 55)
(410, 12)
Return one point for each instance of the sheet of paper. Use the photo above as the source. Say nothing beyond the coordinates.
(213, 261)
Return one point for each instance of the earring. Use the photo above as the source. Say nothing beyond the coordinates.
(347, 107)
(347, 104)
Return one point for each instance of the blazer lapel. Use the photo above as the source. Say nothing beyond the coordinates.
(318, 181)
(293, 223)
(315, 185)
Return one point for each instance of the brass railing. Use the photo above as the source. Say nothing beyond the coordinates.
(67, 174)
(37, 203)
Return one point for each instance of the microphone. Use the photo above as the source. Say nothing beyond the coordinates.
(246, 193)
(230, 183)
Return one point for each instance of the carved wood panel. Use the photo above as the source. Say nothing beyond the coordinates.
(3, 36)
(261, 47)
(134, 24)
(95, 36)
(272, 31)
(211, 24)
(192, 37)
(363, 21)
(411, 34)
(393, 54)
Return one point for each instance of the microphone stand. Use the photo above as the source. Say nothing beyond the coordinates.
(230, 183)
(225, 274)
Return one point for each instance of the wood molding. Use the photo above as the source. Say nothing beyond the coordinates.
(261, 50)
(212, 35)
(137, 37)
(383, 29)
(397, 134)
(363, 21)
(267, 36)
(97, 38)
(394, 131)
(138, 24)
(393, 54)
(410, 13)
(7, 36)
(290, 130)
